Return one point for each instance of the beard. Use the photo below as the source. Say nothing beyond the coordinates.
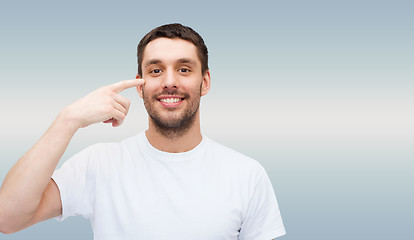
(173, 123)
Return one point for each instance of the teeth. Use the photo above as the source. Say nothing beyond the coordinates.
(170, 100)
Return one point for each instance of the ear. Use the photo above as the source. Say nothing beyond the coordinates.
(205, 86)
(139, 88)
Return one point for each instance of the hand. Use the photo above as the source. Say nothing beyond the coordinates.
(102, 105)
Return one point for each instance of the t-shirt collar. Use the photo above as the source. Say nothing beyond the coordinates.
(167, 156)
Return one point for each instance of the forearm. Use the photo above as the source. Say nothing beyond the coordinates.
(22, 189)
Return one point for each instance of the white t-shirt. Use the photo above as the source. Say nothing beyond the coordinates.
(131, 190)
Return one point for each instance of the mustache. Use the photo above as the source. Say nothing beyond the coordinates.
(172, 92)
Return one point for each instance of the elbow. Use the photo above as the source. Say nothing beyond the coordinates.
(3, 229)
(5, 226)
(6, 229)
(7, 232)
(12, 223)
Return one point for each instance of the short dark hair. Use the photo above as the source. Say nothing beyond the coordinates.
(174, 30)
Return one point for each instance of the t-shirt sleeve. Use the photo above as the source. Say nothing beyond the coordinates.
(75, 180)
(263, 220)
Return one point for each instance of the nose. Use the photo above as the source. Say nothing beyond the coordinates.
(170, 80)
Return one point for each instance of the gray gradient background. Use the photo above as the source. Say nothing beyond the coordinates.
(319, 92)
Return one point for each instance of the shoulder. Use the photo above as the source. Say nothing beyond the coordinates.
(238, 161)
(100, 152)
(114, 147)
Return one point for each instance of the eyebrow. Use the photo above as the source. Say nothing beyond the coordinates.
(187, 60)
(152, 62)
(158, 61)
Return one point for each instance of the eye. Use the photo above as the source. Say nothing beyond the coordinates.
(156, 71)
(184, 70)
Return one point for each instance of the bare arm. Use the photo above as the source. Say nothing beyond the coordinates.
(28, 194)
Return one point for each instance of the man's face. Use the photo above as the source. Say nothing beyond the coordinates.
(174, 82)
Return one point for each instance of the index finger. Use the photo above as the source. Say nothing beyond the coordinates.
(122, 85)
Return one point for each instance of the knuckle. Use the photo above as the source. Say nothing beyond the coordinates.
(105, 90)
(121, 117)
(108, 101)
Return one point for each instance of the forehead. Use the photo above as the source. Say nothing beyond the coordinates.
(170, 50)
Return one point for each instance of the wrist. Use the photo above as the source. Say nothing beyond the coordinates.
(67, 120)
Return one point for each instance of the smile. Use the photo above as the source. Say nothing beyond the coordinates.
(170, 100)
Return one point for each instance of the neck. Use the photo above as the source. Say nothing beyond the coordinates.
(175, 142)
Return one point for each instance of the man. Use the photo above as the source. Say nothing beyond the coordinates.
(169, 182)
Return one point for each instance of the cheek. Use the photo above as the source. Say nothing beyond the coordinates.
(196, 87)
(151, 84)
(148, 89)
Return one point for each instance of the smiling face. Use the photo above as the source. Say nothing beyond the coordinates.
(174, 84)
